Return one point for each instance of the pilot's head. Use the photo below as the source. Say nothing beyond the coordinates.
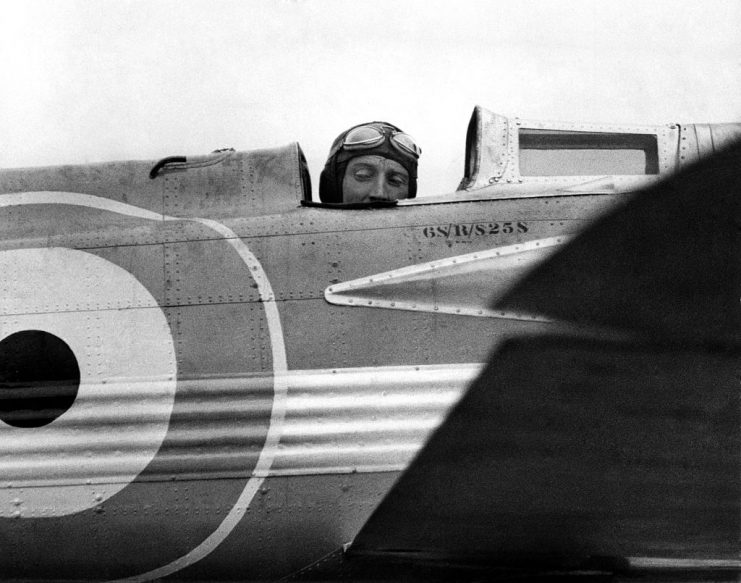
(370, 162)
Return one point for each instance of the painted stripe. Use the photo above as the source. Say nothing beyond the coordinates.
(79, 199)
(277, 343)
(280, 365)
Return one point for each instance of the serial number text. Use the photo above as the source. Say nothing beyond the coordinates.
(470, 230)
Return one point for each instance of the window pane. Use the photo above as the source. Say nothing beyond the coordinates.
(563, 153)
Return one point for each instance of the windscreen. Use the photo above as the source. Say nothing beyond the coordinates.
(569, 153)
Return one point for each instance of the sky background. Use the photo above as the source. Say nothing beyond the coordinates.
(97, 80)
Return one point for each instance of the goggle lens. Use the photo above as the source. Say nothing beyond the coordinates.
(406, 142)
(363, 137)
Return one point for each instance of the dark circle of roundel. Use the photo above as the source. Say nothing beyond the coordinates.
(39, 378)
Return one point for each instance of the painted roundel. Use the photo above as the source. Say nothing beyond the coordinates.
(141, 366)
(122, 356)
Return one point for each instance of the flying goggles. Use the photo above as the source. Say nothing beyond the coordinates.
(367, 137)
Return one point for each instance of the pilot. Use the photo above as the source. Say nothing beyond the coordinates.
(370, 162)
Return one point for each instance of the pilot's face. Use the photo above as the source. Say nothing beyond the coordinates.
(372, 178)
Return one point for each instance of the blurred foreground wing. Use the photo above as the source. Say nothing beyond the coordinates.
(579, 453)
(565, 451)
(667, 264)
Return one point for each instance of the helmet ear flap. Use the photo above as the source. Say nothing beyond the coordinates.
(328, 189)
(412, 186)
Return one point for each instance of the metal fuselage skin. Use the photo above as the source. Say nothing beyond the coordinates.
(230, 421)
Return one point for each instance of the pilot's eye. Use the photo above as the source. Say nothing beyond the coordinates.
(362, 174)
(397, 180)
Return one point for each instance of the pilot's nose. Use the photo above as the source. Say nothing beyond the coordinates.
(380, 191)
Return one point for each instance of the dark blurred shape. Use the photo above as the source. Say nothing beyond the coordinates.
(568, 451)
(596, 452)
(666, 265)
